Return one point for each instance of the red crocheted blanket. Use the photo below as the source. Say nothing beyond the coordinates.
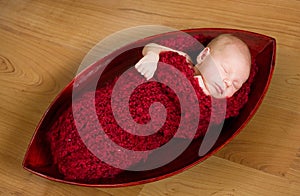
(69, 148)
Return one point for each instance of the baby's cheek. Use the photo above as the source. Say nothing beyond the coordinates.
(230, 91)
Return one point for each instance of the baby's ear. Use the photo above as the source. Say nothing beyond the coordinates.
(204, 53)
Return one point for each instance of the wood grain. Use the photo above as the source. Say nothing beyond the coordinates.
(43, 42)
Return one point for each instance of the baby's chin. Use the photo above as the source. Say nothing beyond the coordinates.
(208, 90)
(217, 95)
(212, 91)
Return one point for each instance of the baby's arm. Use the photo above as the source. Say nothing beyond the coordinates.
(148, 64)
(156, 48)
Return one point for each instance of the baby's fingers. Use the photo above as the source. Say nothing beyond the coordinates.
(145, 68)
(148, 75)
(138, 65)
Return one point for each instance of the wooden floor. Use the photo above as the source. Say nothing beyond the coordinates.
(42, 43)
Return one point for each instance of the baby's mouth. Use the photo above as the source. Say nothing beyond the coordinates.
(219, 89)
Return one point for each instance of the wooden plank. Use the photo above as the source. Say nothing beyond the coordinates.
(43, 42)
(217, 176)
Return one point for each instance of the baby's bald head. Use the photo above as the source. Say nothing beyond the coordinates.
(228, 41)
(224, 65)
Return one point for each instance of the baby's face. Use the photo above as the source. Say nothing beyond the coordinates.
(223, 73)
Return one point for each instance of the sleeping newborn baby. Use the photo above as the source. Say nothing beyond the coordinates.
(222, 67)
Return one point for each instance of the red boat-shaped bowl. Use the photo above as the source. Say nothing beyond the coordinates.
(39, 160)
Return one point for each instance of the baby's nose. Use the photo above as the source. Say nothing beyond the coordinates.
(227, 83)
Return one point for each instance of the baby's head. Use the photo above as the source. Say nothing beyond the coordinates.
(224, 65)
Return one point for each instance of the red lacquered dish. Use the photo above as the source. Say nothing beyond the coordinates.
(39, 160)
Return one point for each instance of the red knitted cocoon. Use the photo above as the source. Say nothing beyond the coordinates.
(76, 162)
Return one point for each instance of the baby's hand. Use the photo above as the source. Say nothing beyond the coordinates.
(148, 65)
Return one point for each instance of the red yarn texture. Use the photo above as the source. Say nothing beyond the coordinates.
(76, 162)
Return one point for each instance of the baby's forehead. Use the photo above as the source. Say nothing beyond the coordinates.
(225, 46)
(232, 52)
(228, 40)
